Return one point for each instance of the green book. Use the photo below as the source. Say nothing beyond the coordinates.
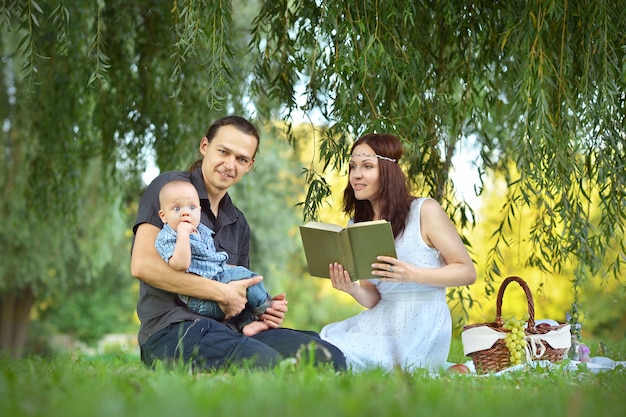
(355, 247)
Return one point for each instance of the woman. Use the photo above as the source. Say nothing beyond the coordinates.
(169, 330)
(407, 323)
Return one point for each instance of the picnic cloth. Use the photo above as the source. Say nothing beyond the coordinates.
(595, 364)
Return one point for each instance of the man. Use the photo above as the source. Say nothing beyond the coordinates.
(169, 331)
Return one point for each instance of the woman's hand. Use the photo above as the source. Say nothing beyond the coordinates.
(341, 280)
(364, 292)
(392, 269)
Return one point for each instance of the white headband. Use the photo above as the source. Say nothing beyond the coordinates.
(386, 158)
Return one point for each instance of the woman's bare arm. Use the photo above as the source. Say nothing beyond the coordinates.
(439, 232)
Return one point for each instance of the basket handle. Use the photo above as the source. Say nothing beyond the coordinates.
(529, 300)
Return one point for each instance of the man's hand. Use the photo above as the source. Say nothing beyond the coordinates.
(234, 300)
(275, 313)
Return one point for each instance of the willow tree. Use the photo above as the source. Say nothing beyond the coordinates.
(537, 86)
(97, 85)
(536, 83)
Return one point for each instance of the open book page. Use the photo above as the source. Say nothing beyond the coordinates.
(324, 244)
(370, 240)
(355, 246)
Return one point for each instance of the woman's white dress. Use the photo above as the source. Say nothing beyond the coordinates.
(410, 327)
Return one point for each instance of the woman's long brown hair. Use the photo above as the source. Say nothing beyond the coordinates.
(395, 200)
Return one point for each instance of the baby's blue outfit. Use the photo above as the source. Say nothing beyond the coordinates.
(206, 261)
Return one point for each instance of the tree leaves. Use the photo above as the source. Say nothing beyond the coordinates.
(537, 86)
(536, 83)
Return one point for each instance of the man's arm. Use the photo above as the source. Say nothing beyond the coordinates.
(148, 266)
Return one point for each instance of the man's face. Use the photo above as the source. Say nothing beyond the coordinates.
(227, 158)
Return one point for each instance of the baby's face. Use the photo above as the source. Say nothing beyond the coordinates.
(181, 205)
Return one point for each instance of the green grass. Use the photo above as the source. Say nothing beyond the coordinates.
(121, 386)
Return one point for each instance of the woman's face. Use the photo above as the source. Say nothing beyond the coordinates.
(364, 173)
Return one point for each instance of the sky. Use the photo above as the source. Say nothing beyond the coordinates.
(465, 174)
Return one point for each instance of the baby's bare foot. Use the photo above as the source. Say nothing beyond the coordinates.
(255, 327)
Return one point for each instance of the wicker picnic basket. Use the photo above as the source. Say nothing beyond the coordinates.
(497, 357)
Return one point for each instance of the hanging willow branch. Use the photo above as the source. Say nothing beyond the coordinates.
(538, 85)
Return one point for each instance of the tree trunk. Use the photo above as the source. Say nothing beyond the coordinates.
(14, 319)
